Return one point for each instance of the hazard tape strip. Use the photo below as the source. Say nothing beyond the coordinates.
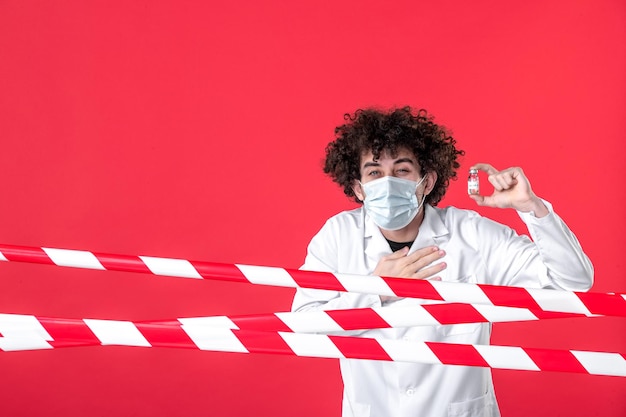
(328, 321)
(24, 332)
(588, 304)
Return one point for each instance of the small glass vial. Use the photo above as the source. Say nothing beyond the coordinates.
(473, 185)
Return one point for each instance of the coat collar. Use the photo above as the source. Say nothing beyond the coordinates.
(432, 231)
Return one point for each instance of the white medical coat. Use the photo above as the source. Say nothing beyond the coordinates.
(478, 250)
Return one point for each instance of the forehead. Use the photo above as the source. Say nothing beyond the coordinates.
(387, 157)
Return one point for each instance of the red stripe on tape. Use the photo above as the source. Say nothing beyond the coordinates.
(25, 254)
(224, 272)
(607, 304)
(360, 348)
(555, 360)
(454, 313)
(262, 342)
(541, 314)
(263, 322)
(415, 288)
(122, 263)
(365, 318)
(68, 332)
(509, 296)
(165, 335)
(321, 280)
(457, 354)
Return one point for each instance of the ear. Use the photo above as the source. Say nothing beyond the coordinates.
(358, 190)
(431, 179)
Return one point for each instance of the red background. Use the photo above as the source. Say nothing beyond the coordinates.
(196, 129)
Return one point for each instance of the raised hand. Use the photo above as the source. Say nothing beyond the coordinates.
(511, 190)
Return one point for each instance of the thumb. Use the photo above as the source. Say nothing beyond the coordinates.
(479, 199)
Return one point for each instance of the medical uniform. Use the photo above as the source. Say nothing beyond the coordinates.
(478, 250)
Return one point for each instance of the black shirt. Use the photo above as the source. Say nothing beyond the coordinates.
(396, 246)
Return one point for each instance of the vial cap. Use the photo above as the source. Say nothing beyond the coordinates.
(473, 171)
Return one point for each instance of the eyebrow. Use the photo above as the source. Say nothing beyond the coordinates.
(398, 161)
(401, 160)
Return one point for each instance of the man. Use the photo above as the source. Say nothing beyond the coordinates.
(399, 165)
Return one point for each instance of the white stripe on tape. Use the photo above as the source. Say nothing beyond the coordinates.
(211, 321)
(267, 275)
(555, 300)
(23, 342)
(309, 322)
(21, 324)
(2, 258)
(496, 314)
(461, 292)
(311, 345)
(73, 258)
(364, 284)
(114, 332)
(214, 338)
(408, 351)
(406, 316)
(22, 332)
(171, 267)
(602, 363)
(506, 357)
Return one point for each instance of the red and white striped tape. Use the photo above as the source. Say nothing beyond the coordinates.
(329, 321)
(23, 332)
(535, 299)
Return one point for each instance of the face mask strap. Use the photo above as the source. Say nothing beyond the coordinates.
(420, 181)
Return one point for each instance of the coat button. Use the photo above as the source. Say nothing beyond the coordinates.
(410, 392)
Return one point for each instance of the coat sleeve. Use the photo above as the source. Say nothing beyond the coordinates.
(553, 259)
(568, 267)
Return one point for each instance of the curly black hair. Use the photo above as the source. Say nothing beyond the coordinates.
(377, 131)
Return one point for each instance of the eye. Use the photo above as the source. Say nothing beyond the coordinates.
(373, 173)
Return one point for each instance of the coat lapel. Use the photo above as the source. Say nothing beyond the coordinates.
(432, 232)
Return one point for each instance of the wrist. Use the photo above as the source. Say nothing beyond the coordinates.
(536, 207)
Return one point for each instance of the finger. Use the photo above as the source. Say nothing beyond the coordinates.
(494, 180)
(509, 178)
(397, 254)
(420, 253)
(486, 200)
(489, 169)
(424, 262)
(430, 271)
(479, 199)
(503, 180)
(395, 261)
(419, 259)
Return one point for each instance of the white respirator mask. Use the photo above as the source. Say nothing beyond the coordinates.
(391, 202)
